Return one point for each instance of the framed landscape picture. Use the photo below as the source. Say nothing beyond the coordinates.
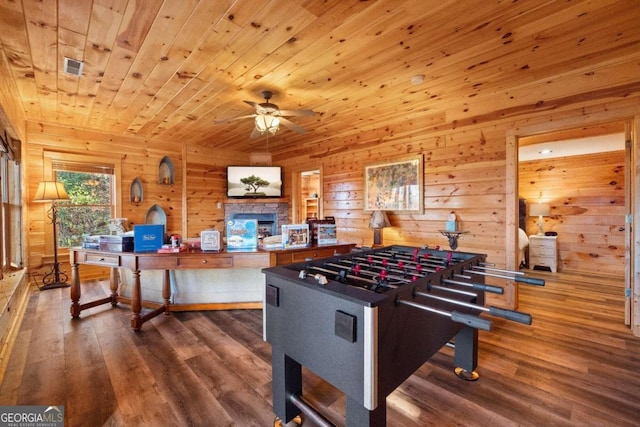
(395, 185)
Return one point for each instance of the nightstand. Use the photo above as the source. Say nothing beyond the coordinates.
(543, 252)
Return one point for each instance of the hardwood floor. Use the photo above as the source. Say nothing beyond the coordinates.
(577, 365)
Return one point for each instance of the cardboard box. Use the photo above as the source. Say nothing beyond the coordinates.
(242, 234)
(116, 243)
(327, 234)
(148, 237)
(295, 236)
(91, 242)
(210, 240)
(313, 227)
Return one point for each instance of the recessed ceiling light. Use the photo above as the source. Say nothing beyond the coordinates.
(417, 79)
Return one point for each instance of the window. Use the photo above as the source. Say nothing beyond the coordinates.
(11, 215)
(90, 206)
(93, 186)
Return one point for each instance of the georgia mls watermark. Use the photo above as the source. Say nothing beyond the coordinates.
(31, 416)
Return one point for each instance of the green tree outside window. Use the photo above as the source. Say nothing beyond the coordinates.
(89, 209)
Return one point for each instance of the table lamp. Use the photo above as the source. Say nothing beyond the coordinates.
(540, 210)
(378, 221)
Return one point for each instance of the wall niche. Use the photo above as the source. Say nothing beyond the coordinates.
(166, 173)
(136, 192)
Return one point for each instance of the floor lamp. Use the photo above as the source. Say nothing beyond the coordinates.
(53, 191)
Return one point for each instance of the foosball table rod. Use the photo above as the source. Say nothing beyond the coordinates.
(526, 280)
(513, 315)
(309, 411)
(473, 323)
(470, 320)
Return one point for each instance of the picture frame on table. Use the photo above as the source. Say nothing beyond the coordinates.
(394, 185)
(295, 236)
(327, 234)
(210, 240)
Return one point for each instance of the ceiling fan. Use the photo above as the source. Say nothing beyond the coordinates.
(268, 117)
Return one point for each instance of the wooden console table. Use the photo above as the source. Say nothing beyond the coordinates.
(191, 260)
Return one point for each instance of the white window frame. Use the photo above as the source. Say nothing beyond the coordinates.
(11, 249)
(115, 162)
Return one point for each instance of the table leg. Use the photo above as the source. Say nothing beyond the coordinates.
(113, 285)
(75, 291)
(166, 292)
(136, 302)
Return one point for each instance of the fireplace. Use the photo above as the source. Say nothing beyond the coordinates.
(270, 215)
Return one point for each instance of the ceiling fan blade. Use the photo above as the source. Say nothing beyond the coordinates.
(255, 133)
(292, 125)
(232, 119)
(253, 104)
(296, 113)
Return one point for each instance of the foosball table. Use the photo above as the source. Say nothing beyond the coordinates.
(366, 321)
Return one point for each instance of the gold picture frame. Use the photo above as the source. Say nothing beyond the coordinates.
(394, 185)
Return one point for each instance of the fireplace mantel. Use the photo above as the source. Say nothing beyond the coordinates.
(256, 200)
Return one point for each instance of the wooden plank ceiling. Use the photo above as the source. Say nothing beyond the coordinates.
(169, 69)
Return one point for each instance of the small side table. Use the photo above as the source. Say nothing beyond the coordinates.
(543, 252)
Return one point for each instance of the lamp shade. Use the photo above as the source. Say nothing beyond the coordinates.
(50, 190)
(379, 219)
(539, 209)
(267, 123)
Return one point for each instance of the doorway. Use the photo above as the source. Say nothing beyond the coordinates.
(310, 197)
(578, 179)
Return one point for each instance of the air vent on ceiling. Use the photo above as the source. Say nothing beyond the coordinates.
(73, 66)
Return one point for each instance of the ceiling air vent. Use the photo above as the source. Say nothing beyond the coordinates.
(73, 66)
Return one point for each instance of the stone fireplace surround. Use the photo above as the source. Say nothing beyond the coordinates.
(249, 206)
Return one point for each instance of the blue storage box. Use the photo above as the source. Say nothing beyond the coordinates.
(148, 237)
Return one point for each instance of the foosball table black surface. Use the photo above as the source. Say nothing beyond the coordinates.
(366, 321)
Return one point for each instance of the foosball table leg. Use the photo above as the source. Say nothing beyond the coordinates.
(358, 415)
(297, 420)
(286, 381)
(466, 354)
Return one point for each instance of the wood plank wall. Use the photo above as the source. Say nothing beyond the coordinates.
(464, 171)
(202, 170)
(206, 186)
(12, 117)
(586, 194)
(139, 158)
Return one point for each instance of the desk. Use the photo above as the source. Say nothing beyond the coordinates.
(191, 260)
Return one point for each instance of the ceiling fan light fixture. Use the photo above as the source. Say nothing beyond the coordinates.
(266, 123)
